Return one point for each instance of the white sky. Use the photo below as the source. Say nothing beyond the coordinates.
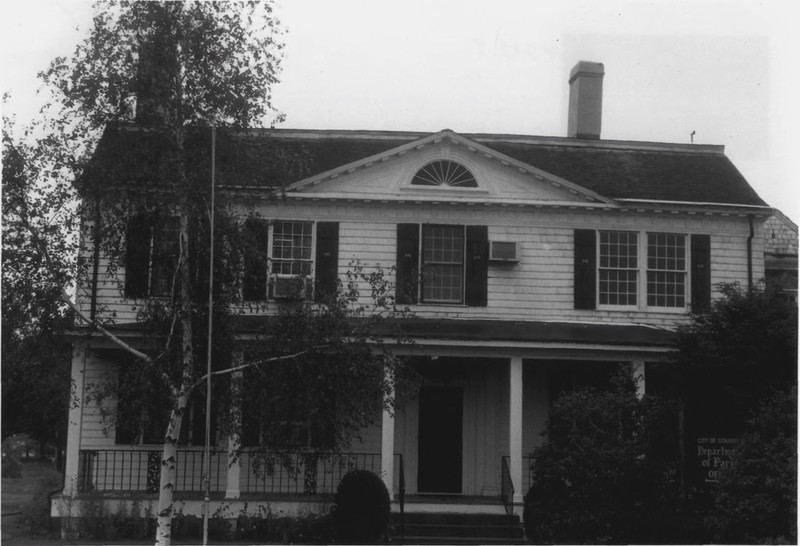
(721, 68)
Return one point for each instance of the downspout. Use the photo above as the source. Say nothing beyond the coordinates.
(96, 259)
(750, 255)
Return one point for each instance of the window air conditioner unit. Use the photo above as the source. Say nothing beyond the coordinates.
(503, 251)
(291, 287)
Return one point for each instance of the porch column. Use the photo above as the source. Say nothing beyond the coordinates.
(232, 489)
(387, 435)
(515, 427)
(72, 463)
(637, 369)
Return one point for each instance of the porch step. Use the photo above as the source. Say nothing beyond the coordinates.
(432, 528)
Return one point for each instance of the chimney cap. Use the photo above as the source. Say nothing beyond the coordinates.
(586, 68)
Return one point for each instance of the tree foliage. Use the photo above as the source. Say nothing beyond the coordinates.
(600, 476)
(757, 497)
(37, 263)
(732, 357)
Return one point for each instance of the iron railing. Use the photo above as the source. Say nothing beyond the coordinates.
(302, 473)
(506, 486)
(107, 470)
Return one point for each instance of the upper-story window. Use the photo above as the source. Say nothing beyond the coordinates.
(641, 270)
(451, 268)
(291, 248)
(443, 264)
(444, 173)
(153, 247)
(290, 259)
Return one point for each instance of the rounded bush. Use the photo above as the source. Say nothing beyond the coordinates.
(362, 508)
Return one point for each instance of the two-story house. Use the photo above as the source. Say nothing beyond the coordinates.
(531, 263)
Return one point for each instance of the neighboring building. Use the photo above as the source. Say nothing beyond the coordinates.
(780, 253)
(546, 261)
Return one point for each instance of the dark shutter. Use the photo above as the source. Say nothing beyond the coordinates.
(407, 262)
(477, 266)
(256, 240)
(137, 257)
(326, 268)
(585, 269)
(701, 273)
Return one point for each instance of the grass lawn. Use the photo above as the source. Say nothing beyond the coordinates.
(17, 492)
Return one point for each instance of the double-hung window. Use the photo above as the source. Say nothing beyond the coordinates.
(279, 249)
(442, 264)
(291, 248)
(153, 247)
(641, 270)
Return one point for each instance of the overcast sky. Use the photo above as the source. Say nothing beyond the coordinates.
(721, 69)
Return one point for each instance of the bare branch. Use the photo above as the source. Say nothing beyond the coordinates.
(252, 364)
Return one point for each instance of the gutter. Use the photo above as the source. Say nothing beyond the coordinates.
(750, 254)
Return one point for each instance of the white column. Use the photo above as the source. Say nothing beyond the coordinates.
(232, 489)
(72, 463)
(387, 436)
(637, 369)
(515, 427)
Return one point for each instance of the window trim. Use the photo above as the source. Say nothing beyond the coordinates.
(642, 271)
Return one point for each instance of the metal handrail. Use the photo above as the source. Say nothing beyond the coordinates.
(506, 486)
(401, 497)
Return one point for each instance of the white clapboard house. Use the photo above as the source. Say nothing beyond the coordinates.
(548, 261)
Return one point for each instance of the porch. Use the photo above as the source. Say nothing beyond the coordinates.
(286, 477)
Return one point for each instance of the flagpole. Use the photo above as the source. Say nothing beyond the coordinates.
(207, 453)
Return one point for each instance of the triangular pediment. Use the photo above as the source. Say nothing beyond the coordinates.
(390, 175)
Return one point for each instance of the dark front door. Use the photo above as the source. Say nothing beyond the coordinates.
(440, 417)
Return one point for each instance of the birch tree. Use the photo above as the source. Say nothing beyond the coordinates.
(171, 71)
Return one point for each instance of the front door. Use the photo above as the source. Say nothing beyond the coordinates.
(440, 439)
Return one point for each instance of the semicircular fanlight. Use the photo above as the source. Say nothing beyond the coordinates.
(444, 173)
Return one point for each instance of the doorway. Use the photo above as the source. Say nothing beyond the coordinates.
(440, 439)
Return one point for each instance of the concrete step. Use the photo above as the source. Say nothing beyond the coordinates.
(437, 528)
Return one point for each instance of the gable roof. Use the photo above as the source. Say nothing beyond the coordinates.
(619, 170)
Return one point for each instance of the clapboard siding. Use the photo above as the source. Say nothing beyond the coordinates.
(539, 287)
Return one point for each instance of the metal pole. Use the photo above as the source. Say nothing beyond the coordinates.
(207, 452)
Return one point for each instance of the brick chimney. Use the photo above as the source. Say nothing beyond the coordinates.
(585, 100)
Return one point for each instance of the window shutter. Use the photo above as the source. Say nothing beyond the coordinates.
(137, 257)
(256, 238)
(326, 268)
(407, 262)
(701, 273)
(585, 269)
(477, 266)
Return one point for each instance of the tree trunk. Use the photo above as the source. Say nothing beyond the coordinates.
(167, 482)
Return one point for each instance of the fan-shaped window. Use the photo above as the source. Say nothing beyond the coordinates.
(444, 173)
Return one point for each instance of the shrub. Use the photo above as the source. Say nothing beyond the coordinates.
(361, 514)
(36, 513)
(11, 468)
(600, 477)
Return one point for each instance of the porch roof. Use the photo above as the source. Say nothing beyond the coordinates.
(476, 330)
